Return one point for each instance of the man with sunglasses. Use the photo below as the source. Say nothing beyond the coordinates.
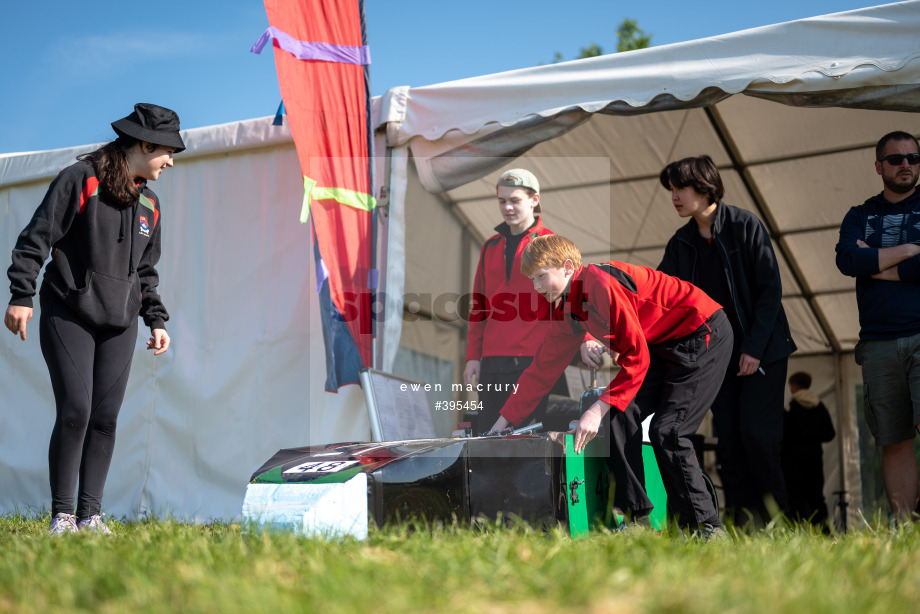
(880, 246)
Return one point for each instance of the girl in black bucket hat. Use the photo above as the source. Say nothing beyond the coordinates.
(103, 224)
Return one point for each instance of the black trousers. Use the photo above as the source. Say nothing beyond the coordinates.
(682, 380)
(89, 373)
(748, 418)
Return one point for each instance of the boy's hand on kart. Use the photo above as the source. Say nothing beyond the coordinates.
(500, 425)
(589, 424)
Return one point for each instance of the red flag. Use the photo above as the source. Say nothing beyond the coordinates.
(321, 56)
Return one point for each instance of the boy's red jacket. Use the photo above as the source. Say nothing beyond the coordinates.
(627, 308)
(508, 316)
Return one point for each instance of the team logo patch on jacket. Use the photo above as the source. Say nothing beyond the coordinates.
(145, 227)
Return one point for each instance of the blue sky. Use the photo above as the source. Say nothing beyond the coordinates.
(70, 68)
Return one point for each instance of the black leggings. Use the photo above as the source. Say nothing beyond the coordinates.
(89, 373)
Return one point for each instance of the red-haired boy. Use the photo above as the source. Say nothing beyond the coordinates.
(674, 344)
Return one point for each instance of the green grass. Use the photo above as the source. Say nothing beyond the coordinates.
(174, 567)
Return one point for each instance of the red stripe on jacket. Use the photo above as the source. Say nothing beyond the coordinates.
(89, 188)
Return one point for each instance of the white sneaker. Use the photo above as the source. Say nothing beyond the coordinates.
(94, 524)
(63, 523)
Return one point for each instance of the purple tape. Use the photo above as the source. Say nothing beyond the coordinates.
(301, 50)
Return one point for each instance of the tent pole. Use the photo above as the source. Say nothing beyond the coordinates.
(843, 434)
(383, 236)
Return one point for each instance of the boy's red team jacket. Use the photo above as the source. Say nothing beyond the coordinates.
(508, 317)
(627, 308)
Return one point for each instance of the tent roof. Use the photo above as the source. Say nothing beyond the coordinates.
(598, 131)
(798, 61)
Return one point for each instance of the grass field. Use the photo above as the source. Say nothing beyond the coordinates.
(174, 567)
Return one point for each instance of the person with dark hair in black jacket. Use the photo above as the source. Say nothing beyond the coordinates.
(726, 252)
(101, 225)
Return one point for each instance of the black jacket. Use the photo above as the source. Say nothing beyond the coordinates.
(806, 425)
(103, 257)
(753, 278)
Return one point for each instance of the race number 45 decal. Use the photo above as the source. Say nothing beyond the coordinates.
(321, 466)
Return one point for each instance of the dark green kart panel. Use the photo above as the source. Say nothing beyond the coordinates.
(587, 487)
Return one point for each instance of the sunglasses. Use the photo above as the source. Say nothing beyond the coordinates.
(898, 159)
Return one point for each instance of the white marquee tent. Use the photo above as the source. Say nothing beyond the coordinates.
(245, 375)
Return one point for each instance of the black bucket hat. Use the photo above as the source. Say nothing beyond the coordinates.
(153, 124)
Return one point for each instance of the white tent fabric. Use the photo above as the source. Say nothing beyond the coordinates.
(813, 61)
